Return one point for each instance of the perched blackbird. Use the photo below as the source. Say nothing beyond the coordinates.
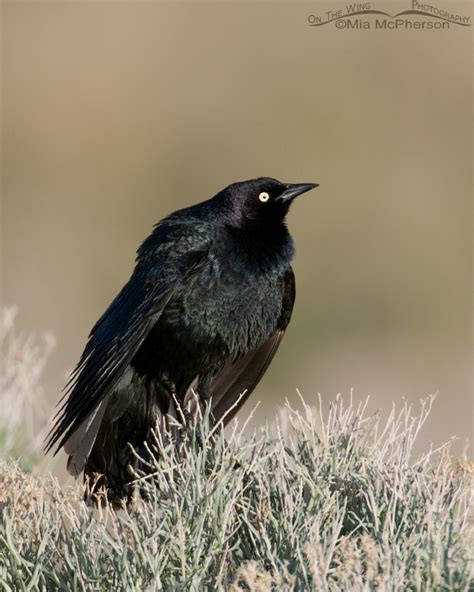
(203, 312)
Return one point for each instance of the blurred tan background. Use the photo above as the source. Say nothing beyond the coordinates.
(116, 113)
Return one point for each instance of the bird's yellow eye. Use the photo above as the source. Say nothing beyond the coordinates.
(264, 196)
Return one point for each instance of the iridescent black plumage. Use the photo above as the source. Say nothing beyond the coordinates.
(205, 309)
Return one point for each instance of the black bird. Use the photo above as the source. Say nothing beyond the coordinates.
(204, 310)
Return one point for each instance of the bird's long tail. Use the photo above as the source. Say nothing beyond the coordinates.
(109, 443)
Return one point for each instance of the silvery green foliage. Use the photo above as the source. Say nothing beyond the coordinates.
(313, 503)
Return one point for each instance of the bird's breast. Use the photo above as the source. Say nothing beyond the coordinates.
(236, 307)
(221, 311)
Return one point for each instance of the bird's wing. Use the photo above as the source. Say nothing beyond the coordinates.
(115, 339)
(233, 385)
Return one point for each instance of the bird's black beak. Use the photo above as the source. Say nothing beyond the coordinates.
(294, 189)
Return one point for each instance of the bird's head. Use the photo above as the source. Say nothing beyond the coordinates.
(263, 200)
